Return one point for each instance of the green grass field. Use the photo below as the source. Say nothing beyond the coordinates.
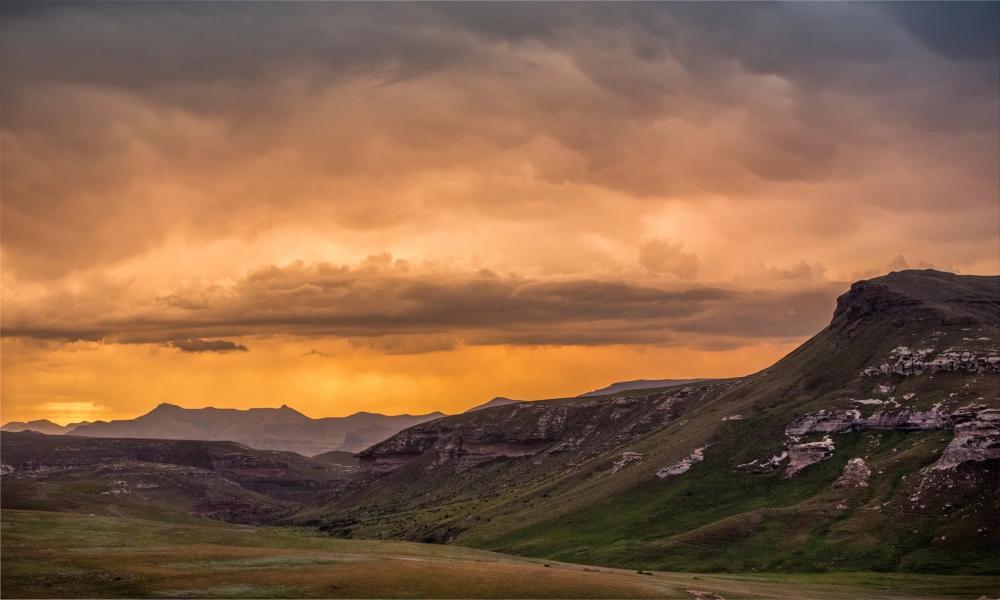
(48, 554)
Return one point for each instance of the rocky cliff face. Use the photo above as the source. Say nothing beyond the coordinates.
(684, 465)
(976, 439)
(801, 456)
(280, 476)
(930, 296)
(976, 429)
(868, 298)
(850, 419)
(855, 474)
(577, 427)
(904, 361)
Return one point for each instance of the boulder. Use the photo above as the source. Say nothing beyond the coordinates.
(855, 474)
(625, 460)
(801, 456)
(975, 440)
(696, 456)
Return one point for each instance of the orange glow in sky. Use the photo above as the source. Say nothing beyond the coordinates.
(417, 207)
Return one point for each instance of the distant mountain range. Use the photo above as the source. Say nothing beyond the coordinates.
(498, 401)
(162, 478)
(278, 428)
(615, 388)
(261, 428)
(42, 426)
(639, 384)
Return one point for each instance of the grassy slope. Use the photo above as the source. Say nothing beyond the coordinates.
(715, 518)
(72, 555)
(164, 479)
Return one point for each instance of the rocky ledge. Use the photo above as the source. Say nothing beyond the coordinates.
(626, 459)
(801, 456)
(904, 361)
(977, 439)
(855, 474)
(685, 464)
(577, 428)
(977, 435)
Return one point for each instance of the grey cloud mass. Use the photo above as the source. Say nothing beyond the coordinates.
(198, 120)
(199, 345)
(382, 309)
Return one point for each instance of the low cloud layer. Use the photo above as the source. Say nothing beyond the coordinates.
(398, 309)
(199, 345)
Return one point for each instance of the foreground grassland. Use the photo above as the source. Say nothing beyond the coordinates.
(48, 554)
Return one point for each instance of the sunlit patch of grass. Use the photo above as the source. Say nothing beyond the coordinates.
(72, 555)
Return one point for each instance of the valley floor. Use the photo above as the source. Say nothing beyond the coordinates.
(47, 554)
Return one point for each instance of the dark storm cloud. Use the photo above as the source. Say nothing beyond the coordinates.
(956, 30)
(199, 120)
(386, 308)
(199, 345)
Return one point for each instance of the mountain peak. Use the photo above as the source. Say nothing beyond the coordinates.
(288, 411)
(497, 401)
(946, 297)
(38, 425)
(639, 384)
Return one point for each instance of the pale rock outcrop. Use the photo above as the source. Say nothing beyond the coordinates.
(871, 401)
(625, 460)
(904, 361)
(763, 466)
(684, 465)
(700, 595)
(558, 432)
(855, 474)
(850, 419)
(977, 436)
(976, 440)
(825, 421)
(907, 419)
(801, 456)
(118, 488)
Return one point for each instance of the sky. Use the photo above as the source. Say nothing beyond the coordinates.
(403, 208)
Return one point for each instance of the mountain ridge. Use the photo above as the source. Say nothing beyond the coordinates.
(496, 401)
(875, 444)
(639, 384)
(282, 428)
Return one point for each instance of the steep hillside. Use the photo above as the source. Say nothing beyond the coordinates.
(421, 483)
(498, 401)
(161, 478)
(876, 444)
(262, 428)
(639, 384)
